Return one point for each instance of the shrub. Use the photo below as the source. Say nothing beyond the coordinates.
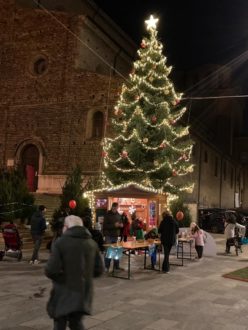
(72, 190)
(16, 200)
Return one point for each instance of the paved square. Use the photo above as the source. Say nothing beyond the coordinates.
(193, 297)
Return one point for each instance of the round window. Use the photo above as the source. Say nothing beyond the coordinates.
(40, 66)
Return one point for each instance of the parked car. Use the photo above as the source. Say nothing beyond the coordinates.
(212, 219)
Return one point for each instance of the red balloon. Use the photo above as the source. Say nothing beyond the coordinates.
(179, 215)
(72, 204)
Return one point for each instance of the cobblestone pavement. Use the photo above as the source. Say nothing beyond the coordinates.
(193, 297)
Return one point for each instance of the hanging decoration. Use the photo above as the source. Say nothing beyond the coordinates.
(124, 154)
(180, 215)
(104, 154)
(72, 204)
(154, 119)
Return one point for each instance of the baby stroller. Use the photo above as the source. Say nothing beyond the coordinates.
(13, 242)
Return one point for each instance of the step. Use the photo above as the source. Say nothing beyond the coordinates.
(52, 202)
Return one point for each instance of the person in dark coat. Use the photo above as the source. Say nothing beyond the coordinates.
(96, 234)
(38, 227)
(168, 229)
(111, 230)
(71, 267)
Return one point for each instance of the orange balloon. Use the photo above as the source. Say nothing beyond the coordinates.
(72, 204)
(179, 215)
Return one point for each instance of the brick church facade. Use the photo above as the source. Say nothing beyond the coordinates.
(57, 97)
(53, 111)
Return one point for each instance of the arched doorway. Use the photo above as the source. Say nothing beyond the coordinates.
(30, 165)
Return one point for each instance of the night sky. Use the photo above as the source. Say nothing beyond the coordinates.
(193, 32)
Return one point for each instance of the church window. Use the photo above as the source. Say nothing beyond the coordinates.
(40, 66)
(97, 125)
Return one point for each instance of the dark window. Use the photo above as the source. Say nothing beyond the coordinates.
(216, 166)
(40, 66)
(97, 125)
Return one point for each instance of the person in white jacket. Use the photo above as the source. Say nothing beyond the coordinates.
(229, 232)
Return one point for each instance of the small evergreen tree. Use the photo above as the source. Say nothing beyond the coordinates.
(16, 200)
(72, 190)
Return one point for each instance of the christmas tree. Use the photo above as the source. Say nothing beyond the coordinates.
(150, 148)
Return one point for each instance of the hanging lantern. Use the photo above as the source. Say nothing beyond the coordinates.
(72, 204)
(180, 215)
(174, 173)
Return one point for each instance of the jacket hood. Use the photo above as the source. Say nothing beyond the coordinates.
(78, 231)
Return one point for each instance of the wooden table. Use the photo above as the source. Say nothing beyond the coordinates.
(134, 246)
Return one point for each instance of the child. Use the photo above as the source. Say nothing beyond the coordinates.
(125, 230)
(152, 234)
(198, 235)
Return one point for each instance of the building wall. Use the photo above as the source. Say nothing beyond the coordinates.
(216, 177)
(50, 110)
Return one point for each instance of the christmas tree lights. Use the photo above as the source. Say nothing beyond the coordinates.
(150, 148)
